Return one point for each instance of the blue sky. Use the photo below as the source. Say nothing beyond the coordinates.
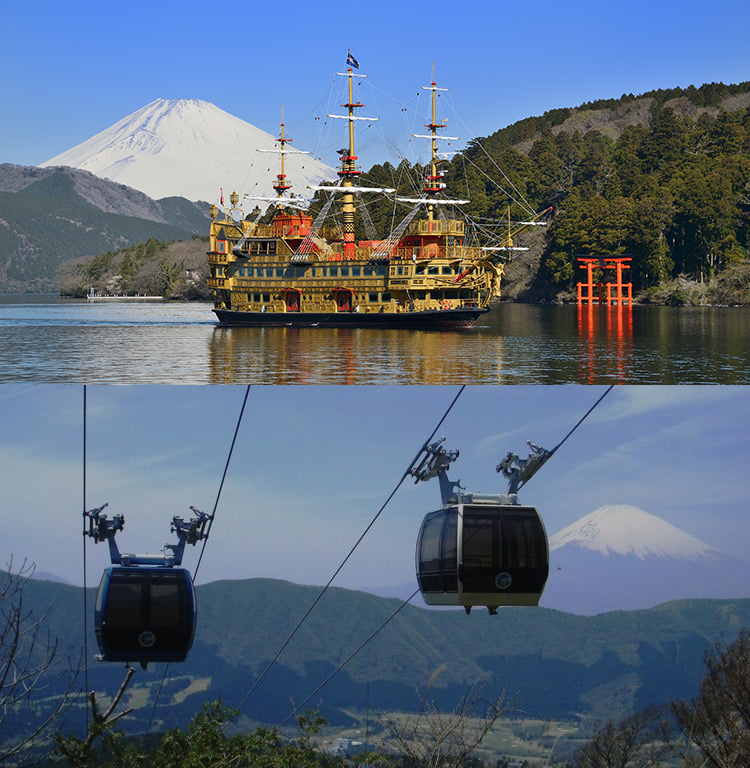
(313, 465)
(72, 69)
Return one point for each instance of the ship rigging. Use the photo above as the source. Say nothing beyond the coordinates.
(294, 272)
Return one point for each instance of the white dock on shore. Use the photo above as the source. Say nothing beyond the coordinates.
(121, 297)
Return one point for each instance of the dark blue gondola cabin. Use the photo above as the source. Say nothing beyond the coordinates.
(480, 551)
(145, 614)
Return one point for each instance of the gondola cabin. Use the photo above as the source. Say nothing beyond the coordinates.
(481, 550)
(145, 614)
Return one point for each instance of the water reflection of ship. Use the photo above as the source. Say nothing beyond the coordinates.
(292, 355)
(600, 358)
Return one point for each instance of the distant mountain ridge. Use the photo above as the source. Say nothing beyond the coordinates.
(550, 663)
(50, 215)
(190, 148)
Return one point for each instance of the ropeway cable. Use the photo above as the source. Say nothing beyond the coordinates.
(411, 597)
(351, 656)
(223, 477)
(205, 539)
(583, 418)
(350, 553)
(85, 604)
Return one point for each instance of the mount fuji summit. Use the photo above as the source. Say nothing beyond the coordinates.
(622, 558)
(190, 148)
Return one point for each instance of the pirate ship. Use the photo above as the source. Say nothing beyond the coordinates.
(293, 272)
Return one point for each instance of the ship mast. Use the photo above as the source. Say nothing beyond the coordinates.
(348, 172)
(281, 185)
(434, 183)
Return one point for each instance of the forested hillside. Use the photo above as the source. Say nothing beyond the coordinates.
(175, 270)
(664, 177)
(553, 664)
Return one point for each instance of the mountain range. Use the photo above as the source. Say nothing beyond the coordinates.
(550, 662)
(190, 148)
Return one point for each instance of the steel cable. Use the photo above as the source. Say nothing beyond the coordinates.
(351, 551)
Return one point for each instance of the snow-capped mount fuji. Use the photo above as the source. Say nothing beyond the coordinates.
(620, 557)
(190, 148)
(621, 529)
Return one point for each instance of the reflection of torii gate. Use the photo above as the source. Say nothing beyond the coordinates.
(623, 293)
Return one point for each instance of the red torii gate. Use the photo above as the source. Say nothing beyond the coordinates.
(623, 293)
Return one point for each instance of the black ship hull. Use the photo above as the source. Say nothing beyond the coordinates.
(442, 319)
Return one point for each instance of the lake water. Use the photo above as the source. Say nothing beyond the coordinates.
(46, 339)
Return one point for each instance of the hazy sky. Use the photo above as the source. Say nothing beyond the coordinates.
(313, 465)
(72, 69)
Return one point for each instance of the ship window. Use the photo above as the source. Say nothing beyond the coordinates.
(447, 270)
(256, 298)
(380, 271)
(334, 271)
(269, 272)
(420, 269)
(451, 294)
(368, 271)
(272, 246)
(279, 272)
(356, 271)
(266, 297)
(399, 270)
(386, 296)
(372, 298)
(432, 270)
(221, 246)
(344, 271)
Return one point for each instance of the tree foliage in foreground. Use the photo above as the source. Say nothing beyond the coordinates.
(714, 729)
(28, 663)
(717, 721)
(207, 742)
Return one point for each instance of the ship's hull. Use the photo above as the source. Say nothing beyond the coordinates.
(461, 317)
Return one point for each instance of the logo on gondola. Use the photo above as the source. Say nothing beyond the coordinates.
(503, 580)
(146, 639)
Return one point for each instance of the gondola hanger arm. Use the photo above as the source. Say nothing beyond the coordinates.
(518, 471)
(434, 463)
(191, 531)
